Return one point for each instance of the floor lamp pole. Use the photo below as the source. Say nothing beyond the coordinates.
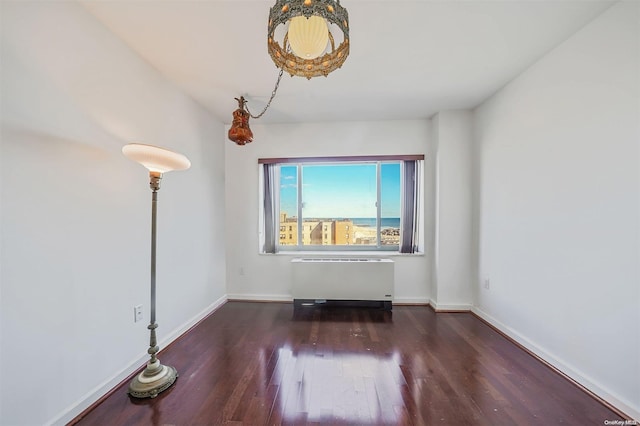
(155, 377)
(153, 348)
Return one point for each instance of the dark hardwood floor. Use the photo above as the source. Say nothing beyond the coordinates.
(266, 364)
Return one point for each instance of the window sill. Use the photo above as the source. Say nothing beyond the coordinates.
(343, 254)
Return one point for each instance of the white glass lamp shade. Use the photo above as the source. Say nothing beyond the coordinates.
(308, 37)
(156, 159)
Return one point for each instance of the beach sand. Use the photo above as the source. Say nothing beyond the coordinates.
(364, 232)
(367, 235)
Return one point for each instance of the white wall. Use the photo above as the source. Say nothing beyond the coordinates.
(452, 247)
(558, 192)
(75, 213)
(269, 276)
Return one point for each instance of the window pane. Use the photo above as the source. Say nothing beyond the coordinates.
(338, 205)
(289, 205)
(390, 204)
(341, 197)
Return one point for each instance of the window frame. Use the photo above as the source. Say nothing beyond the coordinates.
(378, 161)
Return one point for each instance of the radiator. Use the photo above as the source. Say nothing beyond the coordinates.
(343, 279)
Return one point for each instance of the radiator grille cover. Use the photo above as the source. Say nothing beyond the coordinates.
(343, 279)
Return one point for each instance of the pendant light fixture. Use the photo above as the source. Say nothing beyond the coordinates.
(308, 49)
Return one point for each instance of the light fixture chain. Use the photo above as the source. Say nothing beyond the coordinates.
(273, 95)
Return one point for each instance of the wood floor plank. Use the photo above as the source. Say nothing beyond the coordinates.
(268, 364)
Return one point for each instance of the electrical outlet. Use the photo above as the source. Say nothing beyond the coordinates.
(241, 271)
(487, 283)
(137, 313)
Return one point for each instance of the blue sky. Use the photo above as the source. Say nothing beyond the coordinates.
(336, 191)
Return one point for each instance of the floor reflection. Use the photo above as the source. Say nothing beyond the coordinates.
(340, 313)
(318, 386)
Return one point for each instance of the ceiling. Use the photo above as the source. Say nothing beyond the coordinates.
(408, 60)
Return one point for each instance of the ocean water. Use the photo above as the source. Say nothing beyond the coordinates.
(385, 222)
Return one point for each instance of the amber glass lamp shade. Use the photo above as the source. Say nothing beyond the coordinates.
(240, 133)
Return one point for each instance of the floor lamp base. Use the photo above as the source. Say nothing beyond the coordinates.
(153, 380)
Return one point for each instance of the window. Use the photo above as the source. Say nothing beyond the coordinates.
(365, 203)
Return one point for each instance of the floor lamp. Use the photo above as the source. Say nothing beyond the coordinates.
(155, 377)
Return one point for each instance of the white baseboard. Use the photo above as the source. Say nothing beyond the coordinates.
(565, 368)
(411, 300)
(79, 406)
(261, 297)
(450, 307)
